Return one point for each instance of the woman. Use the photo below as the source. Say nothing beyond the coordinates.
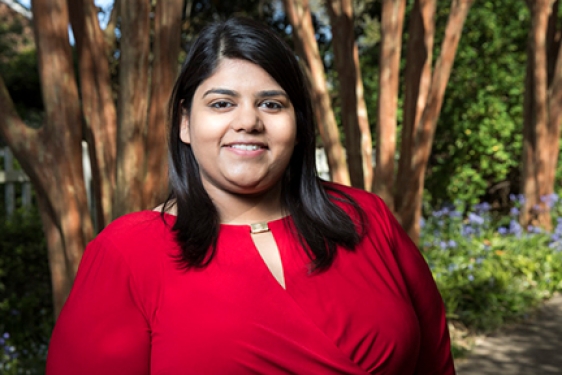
(253, 266)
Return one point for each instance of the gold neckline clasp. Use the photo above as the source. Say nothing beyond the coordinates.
(257, 228)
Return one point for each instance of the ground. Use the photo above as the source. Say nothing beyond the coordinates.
(530, 348)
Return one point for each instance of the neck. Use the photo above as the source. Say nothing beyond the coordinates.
(247, 209)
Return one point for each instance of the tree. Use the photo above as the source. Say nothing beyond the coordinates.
(542, 113)
(422, 103)
(476, 154)
(353, 108)
(298, 12)
(121, 140)
(391, 47)
(52, 155)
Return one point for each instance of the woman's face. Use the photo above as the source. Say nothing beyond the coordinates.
(241, 128)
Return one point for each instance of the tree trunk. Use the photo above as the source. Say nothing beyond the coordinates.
(355, 124)
(298, 12)
(97, 104)
(389, 77)
(133, 105)
(109, 31)
(166, 48)
(417, 83)
(555, 112)
(61, 275)
(52, 155)
(410, 213)
(538, 127)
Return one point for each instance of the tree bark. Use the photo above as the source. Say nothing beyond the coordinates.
(52, 155)
(410, 213)
(354, 117)
(555, 115)
(109, 31)
(166, 48)
(62, 132)
(389, 77)
(539, 123)
(298, 12)
(97, 104)
(419, 55)
(133, 105)
(61, 275)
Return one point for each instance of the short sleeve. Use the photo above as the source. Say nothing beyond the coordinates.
(435, 356)
(101, 329)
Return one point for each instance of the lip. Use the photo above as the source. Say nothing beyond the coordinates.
(262, 147)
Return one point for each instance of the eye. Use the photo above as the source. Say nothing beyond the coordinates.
(271, 105)
(221, 104)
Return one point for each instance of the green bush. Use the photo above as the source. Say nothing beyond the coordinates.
(489, 270)
(26, 313)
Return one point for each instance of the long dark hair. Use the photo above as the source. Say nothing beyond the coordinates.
(320, 223)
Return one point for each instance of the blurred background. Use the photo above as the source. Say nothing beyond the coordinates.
(449, 110)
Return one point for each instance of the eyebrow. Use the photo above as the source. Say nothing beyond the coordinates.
(221, 92)
(261, 94)
(271, 93)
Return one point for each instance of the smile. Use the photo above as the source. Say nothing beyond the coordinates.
(246, 147)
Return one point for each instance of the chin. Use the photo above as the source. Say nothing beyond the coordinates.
(252, 189)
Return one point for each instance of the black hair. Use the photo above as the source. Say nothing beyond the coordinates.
(320, 224)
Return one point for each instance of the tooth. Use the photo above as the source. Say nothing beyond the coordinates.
(246, 147)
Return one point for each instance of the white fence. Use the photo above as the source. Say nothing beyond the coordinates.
(10, 178)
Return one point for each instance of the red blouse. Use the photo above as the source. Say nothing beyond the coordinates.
(132, 310)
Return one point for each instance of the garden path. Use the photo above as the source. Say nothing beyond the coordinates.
(530, 348)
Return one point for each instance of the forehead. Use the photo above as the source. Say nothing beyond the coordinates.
(239, 74)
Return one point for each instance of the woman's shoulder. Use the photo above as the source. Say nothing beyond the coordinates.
(144, 223)
(367, 201)
(138, 232)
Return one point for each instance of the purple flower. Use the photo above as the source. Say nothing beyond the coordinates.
(437, 213)
(550, 199)
(556, 246)
(514, 211)
(452, 243)
(470, 278)
(482, 207)
(515, 228)
(503, 231)
(467, 230)
(533, 229)
(475, 219)
(455, 213)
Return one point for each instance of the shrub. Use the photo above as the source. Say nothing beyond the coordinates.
(26, 314)
(488, 269)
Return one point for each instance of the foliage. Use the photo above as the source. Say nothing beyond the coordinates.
(488, 269)
(18, 64)
(477, 149)
(26, 315)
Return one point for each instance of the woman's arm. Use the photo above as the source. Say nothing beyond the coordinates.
(435, 347)
(101, 329)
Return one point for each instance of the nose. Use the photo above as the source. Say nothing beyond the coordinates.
(247, 119)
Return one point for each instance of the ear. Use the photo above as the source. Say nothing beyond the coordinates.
(184, 128)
